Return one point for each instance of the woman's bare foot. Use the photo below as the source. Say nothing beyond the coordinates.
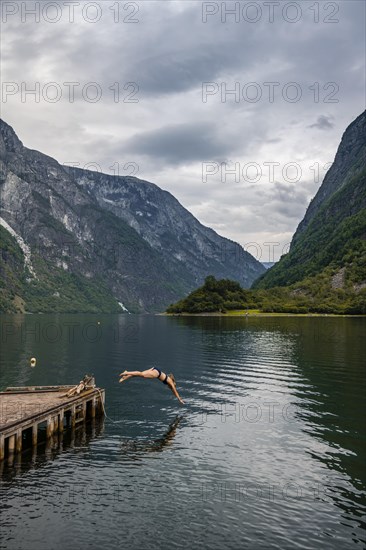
(122, 375)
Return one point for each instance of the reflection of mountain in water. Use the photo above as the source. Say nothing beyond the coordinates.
(323, 365)
(334, 412)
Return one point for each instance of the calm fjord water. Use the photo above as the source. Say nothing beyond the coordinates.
(269, 451)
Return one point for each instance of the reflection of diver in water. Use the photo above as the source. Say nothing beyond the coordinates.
(155, 446)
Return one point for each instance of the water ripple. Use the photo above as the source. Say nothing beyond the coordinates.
(268, 452)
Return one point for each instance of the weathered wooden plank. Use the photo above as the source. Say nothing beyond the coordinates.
(22, 389)
(18, 408)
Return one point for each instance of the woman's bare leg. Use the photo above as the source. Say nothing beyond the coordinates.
(125, 375)
(149, 373)
(131, 373)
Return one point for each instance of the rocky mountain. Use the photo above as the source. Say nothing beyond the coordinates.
(329, 246)
(190, 249)
(75, 240)
(349, 162)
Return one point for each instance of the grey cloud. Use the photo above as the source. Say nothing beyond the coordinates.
(181, 144)
(179, 70)
(323, 122)
(178, 53)
(169, 53)
(285, 202)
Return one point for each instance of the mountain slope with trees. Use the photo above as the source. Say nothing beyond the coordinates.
(325, 269)
(331, 239)
(225, 296)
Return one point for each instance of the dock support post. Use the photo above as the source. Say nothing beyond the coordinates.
(49, 431)
(2, 447)
(73, 416)
(34, 434)
(11, 445)
(93, 407)
(101, 404)
(18, 441)
(61, 421)
(55, 423)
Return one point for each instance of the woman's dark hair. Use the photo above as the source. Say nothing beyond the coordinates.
(171, 376)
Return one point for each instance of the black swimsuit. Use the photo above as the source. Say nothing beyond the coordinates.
(166, 376)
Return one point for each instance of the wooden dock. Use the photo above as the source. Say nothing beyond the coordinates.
(25, 410)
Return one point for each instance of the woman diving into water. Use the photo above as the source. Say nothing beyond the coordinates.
(167, 379)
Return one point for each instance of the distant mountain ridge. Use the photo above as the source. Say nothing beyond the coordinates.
(99, 242)
(329, 246)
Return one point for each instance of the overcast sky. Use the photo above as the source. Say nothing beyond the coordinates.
(181, 93)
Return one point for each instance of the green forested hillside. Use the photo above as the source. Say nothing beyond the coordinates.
(12, 274)
(51, 291)
(325, 269)
(327, 257)
(334, 239)
(214, 295)
(316, 295)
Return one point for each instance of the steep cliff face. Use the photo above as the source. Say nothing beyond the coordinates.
(190, 249)
(95, 241)
(349, 162)
(332, 235)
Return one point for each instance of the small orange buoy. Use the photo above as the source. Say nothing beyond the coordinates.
(33, 362)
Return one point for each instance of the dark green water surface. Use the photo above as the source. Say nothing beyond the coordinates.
(268, 453)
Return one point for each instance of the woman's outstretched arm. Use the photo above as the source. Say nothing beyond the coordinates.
(174, 390)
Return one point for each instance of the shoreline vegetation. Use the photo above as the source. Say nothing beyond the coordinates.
(227, 298)
(254, 313)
